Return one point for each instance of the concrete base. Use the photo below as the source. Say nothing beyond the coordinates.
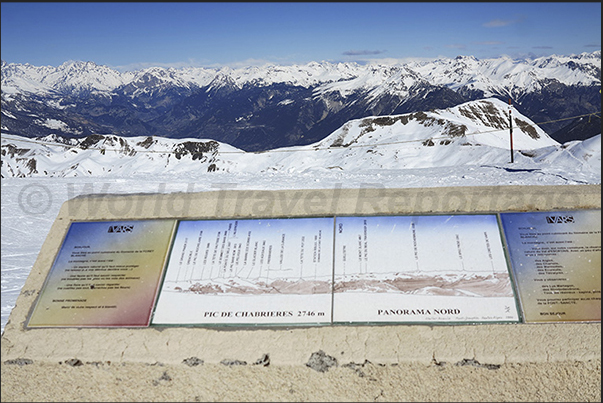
(494, 362)
(575, 381)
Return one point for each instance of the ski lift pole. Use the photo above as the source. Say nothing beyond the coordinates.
(511, 130)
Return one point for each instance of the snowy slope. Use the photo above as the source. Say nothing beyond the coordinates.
(105, 155)
(469, 134)
(575, 155)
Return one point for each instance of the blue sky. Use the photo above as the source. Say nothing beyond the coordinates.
(130, 36)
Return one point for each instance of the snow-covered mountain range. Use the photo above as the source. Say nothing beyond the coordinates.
(262, 108)
(488, 75)
(473, 133)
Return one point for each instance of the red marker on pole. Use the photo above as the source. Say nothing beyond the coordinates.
(511, 130)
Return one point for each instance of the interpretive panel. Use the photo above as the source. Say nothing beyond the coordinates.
(556, 261)
(250, 271)
(105, 274)
(448, 268)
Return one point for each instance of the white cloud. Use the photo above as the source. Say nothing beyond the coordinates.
(363, 52)
(489, 43)
(456, 46)
(389, 61)
(498, 23)
(194, 63)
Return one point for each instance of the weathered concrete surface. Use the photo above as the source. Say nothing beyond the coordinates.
(494, 362)
(575, 381)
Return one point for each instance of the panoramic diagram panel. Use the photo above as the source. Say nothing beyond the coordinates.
(448, 268)
(251, 271)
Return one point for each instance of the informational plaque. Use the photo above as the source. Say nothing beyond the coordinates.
(105, 274)
(556, 261)
(448, 268)
(249, 271)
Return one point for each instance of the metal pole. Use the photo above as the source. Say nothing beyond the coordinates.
(511, 130)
